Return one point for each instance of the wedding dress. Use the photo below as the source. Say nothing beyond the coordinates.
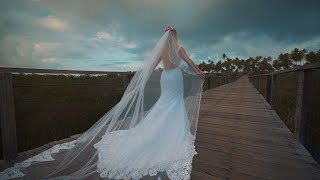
(149, 134)
(164, 131)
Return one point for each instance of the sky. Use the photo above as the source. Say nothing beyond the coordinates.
(115, 35)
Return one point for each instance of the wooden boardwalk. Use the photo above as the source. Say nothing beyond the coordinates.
(240, 137)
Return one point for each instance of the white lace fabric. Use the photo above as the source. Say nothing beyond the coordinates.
(161, 142)
(15, 171)
(177, 169)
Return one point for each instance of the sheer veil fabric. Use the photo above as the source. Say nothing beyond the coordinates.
(149, 134)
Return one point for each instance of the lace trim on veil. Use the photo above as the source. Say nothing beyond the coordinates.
(15, 171)
(177, 170)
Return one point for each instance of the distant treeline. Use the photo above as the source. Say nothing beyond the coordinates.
(260, 64)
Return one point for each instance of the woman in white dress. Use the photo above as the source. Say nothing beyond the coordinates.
(149, 134)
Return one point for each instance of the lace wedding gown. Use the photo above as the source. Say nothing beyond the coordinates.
(161, 142)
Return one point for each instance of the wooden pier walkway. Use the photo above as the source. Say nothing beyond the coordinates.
(240, 137)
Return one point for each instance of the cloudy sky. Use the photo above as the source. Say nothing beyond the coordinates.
(116, 34)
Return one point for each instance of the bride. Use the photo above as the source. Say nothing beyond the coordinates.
(149, 134)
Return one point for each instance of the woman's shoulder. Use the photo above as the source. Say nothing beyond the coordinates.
(182, 50)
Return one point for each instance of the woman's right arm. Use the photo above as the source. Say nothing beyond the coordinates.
(186, 58)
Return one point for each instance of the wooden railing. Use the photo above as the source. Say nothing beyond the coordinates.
(213, 81)
(306, 125)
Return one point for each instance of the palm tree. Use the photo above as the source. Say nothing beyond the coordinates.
(297, 55)
(260, 64)
(227, 65)
(304, 52)
(224, 56)
(313, 57)
(265, 65)
(276, 65)
(211, 65)
(218, 67)
(294, 56)
(246, 67)
(285, 61)
(238, 63)
(202, 66)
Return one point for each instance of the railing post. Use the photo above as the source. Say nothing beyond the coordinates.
(209, 82)
(130, 76)
(215, 82)
(299, 105)
(7, 117)
(268, 89)
(256, 82)
(259, 84)
(125, 80)
(273, 90)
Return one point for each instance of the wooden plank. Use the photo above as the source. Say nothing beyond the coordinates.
(268, 89)
(209, 82)
(7, 117)
(273, 90)
(298, 115)
(310, 120)
(125, 80)
(259, 84)
(240, 137)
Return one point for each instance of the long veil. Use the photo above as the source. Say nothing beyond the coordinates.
(78, 159)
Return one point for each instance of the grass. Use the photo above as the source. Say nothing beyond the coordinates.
(285, 99)
(51, 107)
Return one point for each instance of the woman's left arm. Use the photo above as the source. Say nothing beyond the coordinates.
(186, 58)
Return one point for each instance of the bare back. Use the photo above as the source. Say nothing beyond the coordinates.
(166, 56)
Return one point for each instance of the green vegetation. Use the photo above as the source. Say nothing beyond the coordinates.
(53, 107)
(260, 64)
(285, 99)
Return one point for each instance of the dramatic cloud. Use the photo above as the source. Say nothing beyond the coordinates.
(115, 35)
(45, 47)
(54, 23)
